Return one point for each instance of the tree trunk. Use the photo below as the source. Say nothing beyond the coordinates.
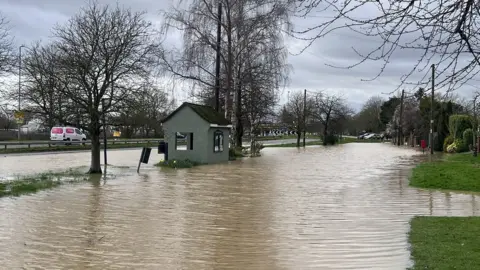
(298, 137)
(95, 166)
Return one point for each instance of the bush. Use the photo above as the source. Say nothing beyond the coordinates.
(177, 163)
(458, 123)
(330, 139)
(233, 153)
(447, 142)
(458, 146)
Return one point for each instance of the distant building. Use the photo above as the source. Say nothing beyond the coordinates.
(206, 133)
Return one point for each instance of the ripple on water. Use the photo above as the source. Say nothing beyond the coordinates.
(343, 207)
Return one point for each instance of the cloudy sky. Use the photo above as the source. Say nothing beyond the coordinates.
(33, 20)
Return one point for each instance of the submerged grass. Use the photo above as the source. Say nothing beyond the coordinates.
(445, 242)
(177, 164)
(319, 142)
(454, 172)
(295, 144)
(31, 184)
(70, 148)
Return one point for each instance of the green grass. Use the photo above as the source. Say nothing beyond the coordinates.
(71, 148)
(282, 137)
(445, 242)
(295, 144)
(355, 140)
(454, 172)
(177, 164)
(319, 142)
(32, 184)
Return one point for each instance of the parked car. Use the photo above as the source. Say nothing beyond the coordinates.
(67, 134)
(362, 136)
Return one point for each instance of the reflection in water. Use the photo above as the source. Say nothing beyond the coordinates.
(343, 207)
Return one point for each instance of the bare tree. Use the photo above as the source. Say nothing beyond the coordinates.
(444, 32)
(251, 31)
(42, 92)
(142, 112)
(293, 113)
(99, 54)
(410, 122)
(332, 111)
(7, 58)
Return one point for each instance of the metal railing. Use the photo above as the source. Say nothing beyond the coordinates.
(32, 144)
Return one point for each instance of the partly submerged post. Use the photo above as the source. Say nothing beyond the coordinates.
(144, 157)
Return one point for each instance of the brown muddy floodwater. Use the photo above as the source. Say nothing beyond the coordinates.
(343, 207)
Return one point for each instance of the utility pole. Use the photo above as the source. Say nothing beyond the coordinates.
(431, 109)
(400, 127)
(217, 69)
(19, 85)
(304, 115)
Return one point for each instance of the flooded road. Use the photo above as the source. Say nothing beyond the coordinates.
(342, 207)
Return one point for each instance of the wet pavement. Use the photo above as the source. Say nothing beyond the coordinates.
(342, 207)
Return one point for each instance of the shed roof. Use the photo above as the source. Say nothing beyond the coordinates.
(206, 112)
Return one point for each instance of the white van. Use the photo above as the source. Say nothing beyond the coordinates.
(68, 134)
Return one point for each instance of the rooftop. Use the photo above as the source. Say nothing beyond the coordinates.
(206, 112)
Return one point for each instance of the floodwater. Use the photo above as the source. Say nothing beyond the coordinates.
(342, 207)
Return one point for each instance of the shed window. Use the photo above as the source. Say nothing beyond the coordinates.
(218, 141)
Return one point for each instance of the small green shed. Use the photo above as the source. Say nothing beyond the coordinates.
(198, 133)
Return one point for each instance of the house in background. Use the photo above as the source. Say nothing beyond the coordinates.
(207, 134)
(32, 126)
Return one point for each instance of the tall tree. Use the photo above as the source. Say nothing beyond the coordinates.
(251, 32)
(7, 59)
(369, 118)
(100, 53)
(293, 113)
(331, 110)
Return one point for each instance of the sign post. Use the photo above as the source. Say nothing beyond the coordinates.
(144, 157)
(19, 116)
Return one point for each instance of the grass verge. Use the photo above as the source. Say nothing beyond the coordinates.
(283, 137)
(355, 140)
(295, 144)
(177, 164)
(445, 242)
(71, 148)
(454, 172)
(319, 142)
(32, 184)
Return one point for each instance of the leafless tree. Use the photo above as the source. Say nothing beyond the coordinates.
(251, 31)
(142, 112)
(293, 112)
(410, 122)
(100, 54)
(7, 59)
(332, 111)
(443, 32)
(42, 92)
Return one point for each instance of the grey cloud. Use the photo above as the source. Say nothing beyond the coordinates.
(34, 19)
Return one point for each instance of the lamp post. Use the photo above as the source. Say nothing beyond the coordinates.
(19, 84)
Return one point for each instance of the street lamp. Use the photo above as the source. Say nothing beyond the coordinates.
(19, 84)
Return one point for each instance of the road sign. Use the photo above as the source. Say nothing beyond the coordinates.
(19, 116)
